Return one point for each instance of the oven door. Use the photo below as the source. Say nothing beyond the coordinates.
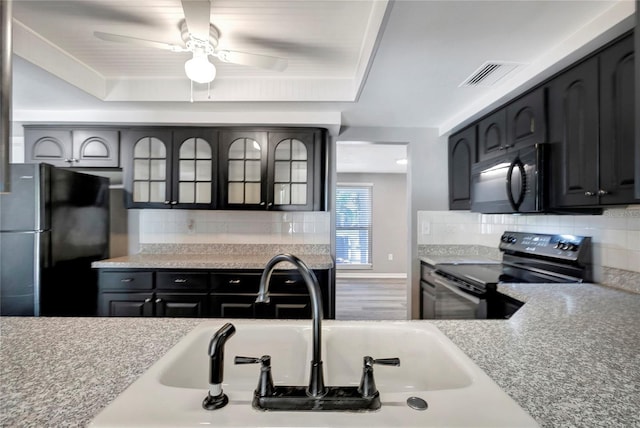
(443, 299)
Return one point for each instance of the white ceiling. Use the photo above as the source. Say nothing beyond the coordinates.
(338, 74)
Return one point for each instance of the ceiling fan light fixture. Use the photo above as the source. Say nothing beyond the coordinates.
(199, 69)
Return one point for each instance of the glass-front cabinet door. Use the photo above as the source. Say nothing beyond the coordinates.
(148, 176)
(292, 163)
(195, 172)
(243, 156)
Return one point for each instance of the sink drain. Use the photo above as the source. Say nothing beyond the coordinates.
(417, 403)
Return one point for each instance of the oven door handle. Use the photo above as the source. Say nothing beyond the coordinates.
(456, 290)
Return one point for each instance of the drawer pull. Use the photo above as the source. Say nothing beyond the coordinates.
(180, 281)
(290, 281)
(126, 280)
(234, 281)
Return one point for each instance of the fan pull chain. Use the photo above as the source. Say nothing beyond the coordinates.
(191, 98)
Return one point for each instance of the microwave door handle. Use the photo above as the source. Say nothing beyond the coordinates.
(515, 205)
(457, 291)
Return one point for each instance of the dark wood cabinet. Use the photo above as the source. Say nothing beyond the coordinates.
(181, 305)
(202, 293)
(271, 169)
(618, 117)
(125, 304)
(73, 147)
(637, 49)
(526, 120)
(492, 135)
(243, 169)
(462, 155)
(592, 118)
(573, 116)
(166, 168)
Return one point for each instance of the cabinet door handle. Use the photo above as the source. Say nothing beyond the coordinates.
(590, 193)
(602, 192)
(180, 281)
(234, 281)
(174, 202)
(290, 281)
(532, 128)
(262, 203)
(126, 280)
(167, 202)
(270, 204)
(147, 300)
(158, 300)
(502, 148)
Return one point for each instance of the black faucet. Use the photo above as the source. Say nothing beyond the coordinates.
(216, 399)
(316, 379)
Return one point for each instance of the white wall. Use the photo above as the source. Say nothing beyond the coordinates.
(427, 180)
(390, 232)
(232, 227)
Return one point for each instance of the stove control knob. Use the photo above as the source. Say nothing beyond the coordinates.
(505, 238)
(512, 240)
(557, 246)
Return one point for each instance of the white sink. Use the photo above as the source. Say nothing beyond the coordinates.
(457, 391)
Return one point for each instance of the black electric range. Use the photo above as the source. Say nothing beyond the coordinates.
(468, 290)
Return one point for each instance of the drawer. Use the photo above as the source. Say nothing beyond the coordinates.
(235, 282)
(125, 280)
(182, 281)
(288, 283)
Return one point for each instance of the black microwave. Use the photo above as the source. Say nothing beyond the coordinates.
(515, 182)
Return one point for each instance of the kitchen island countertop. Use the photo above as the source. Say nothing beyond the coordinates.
(570, 357)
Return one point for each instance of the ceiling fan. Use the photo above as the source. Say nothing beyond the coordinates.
(201, 39)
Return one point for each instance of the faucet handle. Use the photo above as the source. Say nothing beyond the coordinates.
(265, 360)
(367, 386)
(385, 361)
(265, 383)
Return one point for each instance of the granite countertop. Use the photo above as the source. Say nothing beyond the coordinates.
(570, 357)
(208, 261)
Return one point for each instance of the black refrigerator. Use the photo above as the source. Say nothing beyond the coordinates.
(53, 225)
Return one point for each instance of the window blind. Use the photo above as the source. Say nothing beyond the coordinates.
(353, 225)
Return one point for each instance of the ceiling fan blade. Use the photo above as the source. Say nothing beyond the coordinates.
(136, 41)
(197, 14)
(253, 60)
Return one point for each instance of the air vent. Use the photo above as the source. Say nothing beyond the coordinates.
(490, 73)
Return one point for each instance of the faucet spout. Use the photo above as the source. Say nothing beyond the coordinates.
(316, 381)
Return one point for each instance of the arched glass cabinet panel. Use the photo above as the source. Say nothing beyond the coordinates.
(290, 175)
(150, 170)
(195, 172)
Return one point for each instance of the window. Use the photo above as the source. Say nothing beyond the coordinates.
(353, 225)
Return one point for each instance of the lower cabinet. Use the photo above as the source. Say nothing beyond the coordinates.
(216, 294)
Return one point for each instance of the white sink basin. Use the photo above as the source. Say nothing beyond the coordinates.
(458, 392)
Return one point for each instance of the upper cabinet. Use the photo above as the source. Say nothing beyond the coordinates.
(279, 170)
(520, 124)
(72, 147)
(222, 168)
(526, 120)
(618, 115)
(166, 168)
(492, 135)
(637, 49)
(592, 120)
(462, 154)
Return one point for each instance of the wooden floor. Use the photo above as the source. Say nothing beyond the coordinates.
(371, 299)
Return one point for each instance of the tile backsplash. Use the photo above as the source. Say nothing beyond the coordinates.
(233, 227)
(615, 234)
